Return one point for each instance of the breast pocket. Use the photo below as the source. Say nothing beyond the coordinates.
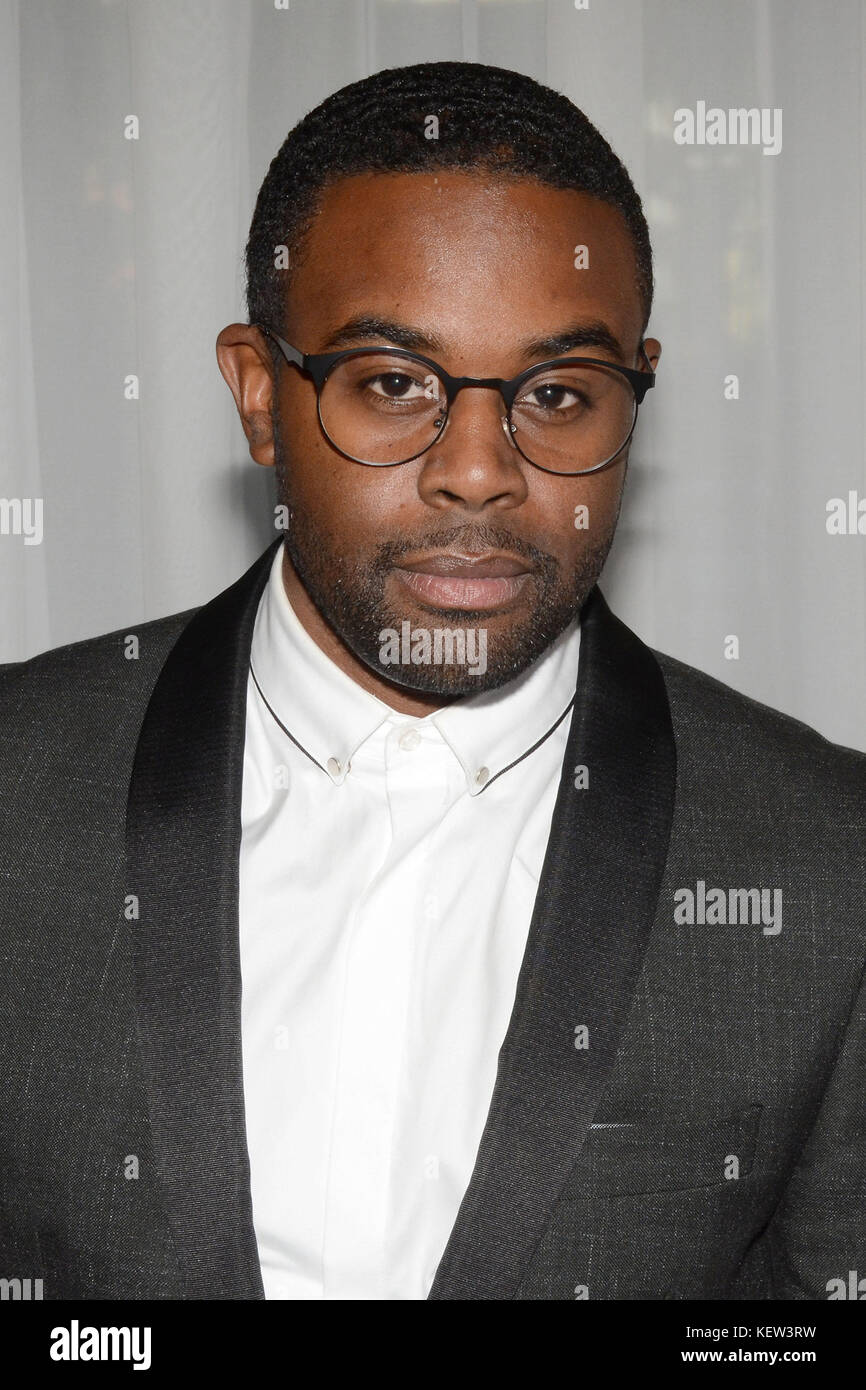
(669, 1154)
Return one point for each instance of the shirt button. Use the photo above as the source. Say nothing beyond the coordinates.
(335, 767)
(409, 740)
(481, 776)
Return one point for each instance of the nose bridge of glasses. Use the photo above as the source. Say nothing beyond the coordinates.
(455, 384)
(475, 425)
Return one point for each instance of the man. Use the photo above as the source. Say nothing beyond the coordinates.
(398, 925)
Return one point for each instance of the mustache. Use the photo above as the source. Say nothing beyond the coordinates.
(472, 537)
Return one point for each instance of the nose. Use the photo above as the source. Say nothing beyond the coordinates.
(474, 462)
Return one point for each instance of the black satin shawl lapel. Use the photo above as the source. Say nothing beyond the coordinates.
(183, 845)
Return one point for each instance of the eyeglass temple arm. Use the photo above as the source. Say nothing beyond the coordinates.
(291, 354)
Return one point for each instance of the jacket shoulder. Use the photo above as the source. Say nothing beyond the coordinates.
(87, 686)
(739, 737)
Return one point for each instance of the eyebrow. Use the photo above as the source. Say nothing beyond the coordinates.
(592, 333)
(365, 327)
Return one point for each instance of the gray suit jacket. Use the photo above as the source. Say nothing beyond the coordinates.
(679, 1104)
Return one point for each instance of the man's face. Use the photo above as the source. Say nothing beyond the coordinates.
(469, 535)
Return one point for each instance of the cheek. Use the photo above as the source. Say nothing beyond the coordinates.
(313, 469)
(354, 506)
(578, 515)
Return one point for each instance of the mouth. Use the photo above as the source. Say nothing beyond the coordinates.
(449, 580)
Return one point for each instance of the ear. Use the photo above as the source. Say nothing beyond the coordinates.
(653, 350)
(245, 362)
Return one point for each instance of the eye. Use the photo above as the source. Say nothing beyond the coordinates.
(553, 396)
(395, 386)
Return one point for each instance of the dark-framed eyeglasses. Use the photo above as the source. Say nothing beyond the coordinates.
(382, 406)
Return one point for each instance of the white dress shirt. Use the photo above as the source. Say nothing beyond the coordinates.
(387, 880)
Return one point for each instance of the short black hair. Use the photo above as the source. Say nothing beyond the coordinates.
(489, 119)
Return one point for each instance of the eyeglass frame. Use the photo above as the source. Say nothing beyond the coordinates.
(319, 366)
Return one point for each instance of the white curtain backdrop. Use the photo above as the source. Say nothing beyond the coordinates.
(124, 257)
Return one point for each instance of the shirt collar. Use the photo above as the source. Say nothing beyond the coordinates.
(330, 716)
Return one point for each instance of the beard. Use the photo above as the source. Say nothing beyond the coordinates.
(349, 592)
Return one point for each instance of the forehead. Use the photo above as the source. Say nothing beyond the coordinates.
(464, 253)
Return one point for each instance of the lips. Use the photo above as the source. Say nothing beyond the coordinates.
(449, 580)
